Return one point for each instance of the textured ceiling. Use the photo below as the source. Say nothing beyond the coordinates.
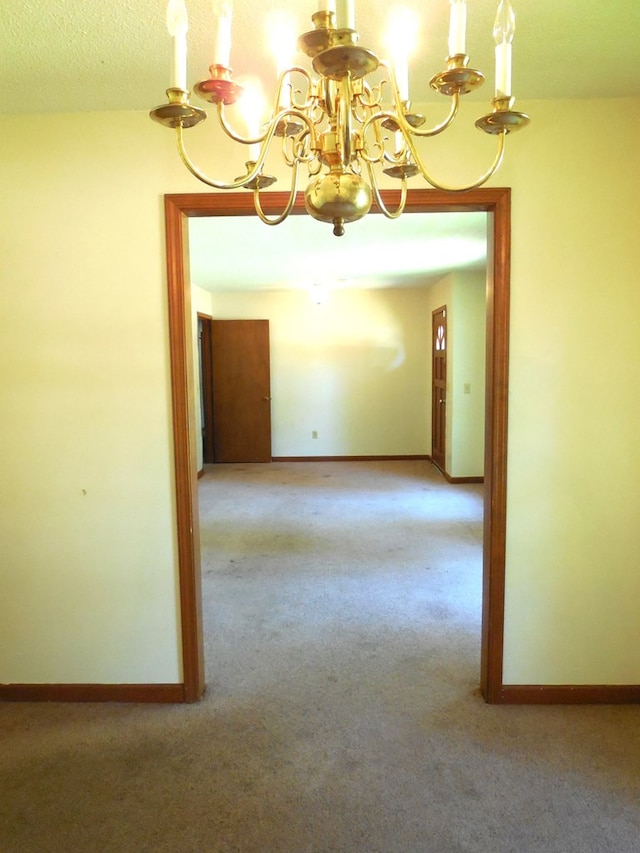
(75, 55)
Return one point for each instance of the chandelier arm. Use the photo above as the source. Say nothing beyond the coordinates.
(289, 206)
(362, 110)
(293, 149)
(371, 158)
(264, 140)
(314, 168)
(236, 136)
(279, 87)
(271, 127)
(378, 143)
(285, 154)
(390, 214)
(374, 94)
(297, 154)
(477, 183)
(395, 159)
(316, 113)
(403, 125)
(309, 101)
(407, 129)
(401, 105)
(200, 175)
(298, 148)
(436, 129)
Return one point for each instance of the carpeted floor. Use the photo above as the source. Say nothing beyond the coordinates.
(342, 620)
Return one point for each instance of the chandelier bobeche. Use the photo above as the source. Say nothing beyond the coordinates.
(335, 123)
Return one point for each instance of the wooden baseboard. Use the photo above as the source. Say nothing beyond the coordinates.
(570, 694)
(456, 480)
(162, 693)
(347, 458)
(201, 472)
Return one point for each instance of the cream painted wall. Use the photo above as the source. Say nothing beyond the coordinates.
(355, 369)
(200, 304)
(88, 582)
(88, 588)
(467, 352)
(573, 541)
(464, 294)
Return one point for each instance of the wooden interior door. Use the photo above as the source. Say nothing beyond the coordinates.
(439, 387)
(241, 390)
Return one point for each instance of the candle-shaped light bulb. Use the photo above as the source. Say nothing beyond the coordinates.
(281, 33)
(345, 15)
(504, 30)
(223, 11)
(326, 6)
(504, 27)
(178, 24)
(457, 27)
(401, 39)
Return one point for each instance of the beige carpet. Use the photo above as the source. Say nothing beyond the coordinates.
(342, 609)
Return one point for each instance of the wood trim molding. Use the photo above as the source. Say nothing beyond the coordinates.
(495, 442)
(188, 530)
(399, 458)
(570, 694)
(497, 203)
(167, 693)
(457, 480)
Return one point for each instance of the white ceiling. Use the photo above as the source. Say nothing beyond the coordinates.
(75, 55)
(415, 250)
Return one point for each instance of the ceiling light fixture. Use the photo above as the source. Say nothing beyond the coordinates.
(337, 123)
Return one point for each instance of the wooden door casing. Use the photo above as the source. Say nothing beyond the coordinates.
(496, 201)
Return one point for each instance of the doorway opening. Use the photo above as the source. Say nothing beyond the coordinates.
(496, 203)
(205, 364)
(235, 393)
(439, 387)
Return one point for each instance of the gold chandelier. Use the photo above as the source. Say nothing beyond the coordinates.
(337, 124)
